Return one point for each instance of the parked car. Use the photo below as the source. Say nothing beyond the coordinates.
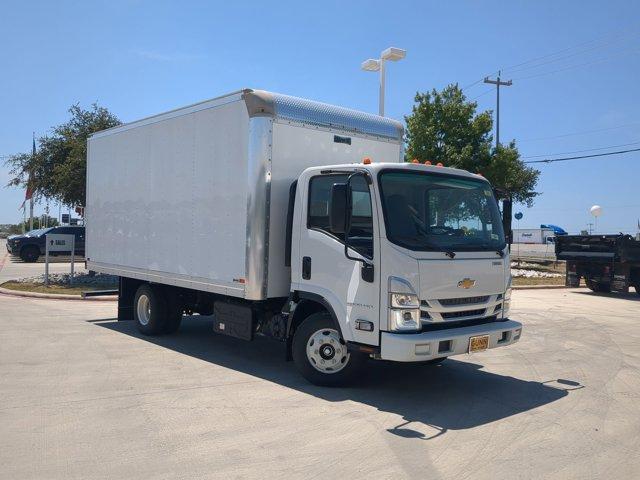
(31, 245)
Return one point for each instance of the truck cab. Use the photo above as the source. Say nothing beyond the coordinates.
(409, 261)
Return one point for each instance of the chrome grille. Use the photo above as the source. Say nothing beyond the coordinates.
(448, 302)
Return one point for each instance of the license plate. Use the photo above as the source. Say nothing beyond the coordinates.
(479, 343)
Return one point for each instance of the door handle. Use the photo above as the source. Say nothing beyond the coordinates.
(306, 268)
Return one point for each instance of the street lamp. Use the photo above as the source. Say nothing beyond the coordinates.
(375, 65)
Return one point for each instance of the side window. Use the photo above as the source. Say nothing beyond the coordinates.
(361, 235)
(319, 193)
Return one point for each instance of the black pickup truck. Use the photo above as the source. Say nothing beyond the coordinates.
(607, 262)
(31, 245)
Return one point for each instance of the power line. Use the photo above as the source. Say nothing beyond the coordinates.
(600, 60)
(550, 160)
(558, 52)
(581, 151)
(481, 95)
(584, 132)
(514, 68)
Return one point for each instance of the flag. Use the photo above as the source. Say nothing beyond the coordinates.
(28, 195)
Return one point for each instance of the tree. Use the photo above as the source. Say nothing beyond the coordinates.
(445, 127)
(58, 170)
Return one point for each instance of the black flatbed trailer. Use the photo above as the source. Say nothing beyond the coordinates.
(606, 262)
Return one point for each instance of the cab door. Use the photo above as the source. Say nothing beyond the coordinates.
(324, 270)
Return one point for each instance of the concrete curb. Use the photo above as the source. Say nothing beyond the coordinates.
(541, 287)
(56, 296)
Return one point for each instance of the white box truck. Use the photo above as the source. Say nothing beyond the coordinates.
(533, 235)
(300, 221)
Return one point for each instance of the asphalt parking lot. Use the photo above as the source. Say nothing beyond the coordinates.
(85, 396)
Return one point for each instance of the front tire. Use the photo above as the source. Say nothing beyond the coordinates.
(150, 310)
(598, 287)
(320, 353)
(30, 254)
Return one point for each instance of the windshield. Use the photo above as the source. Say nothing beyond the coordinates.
(38, 232)
(426, 211)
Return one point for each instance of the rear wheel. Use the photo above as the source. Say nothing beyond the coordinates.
(320, 353)
(598, 286)
(637, 287)
(30, 254)
(150, 309)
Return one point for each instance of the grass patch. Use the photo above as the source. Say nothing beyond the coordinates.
(538, 281)
(55, 289)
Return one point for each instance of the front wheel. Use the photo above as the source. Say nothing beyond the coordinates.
(30, 254)
(598, 286)
(320, 353)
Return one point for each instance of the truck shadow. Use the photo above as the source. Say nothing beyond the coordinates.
(455, 395)
(631, 295)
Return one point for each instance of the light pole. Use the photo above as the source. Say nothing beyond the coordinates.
(377, 65)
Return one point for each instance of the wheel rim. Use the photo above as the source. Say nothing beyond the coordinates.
(144, 309)
(326, 351)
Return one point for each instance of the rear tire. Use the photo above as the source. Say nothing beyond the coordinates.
(30, 254)
(637, 287)
(320, 353)
(150, 309)
(598, 287)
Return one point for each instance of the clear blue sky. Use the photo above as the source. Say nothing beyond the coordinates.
(142, 57)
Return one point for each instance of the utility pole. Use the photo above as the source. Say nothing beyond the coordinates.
(498, 83)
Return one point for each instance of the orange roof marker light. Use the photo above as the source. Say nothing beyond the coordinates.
(427, 162)
(479, 174)
(439, 164)
(415, 160)
(366, 160)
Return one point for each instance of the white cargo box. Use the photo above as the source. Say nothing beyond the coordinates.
(197, 197)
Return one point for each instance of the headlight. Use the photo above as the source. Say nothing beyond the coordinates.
(404, 306)
(506, 304)
(404, 300)
(403, 320)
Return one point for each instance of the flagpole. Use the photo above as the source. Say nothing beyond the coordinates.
(31, 199)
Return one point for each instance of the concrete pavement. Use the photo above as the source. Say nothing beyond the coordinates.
(84, 396)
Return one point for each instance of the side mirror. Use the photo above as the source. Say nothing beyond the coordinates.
(338, 208)
(507, 212)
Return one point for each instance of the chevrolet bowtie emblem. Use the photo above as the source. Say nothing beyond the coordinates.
(466, 283)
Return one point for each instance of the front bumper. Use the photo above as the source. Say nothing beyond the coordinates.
(424, 346)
